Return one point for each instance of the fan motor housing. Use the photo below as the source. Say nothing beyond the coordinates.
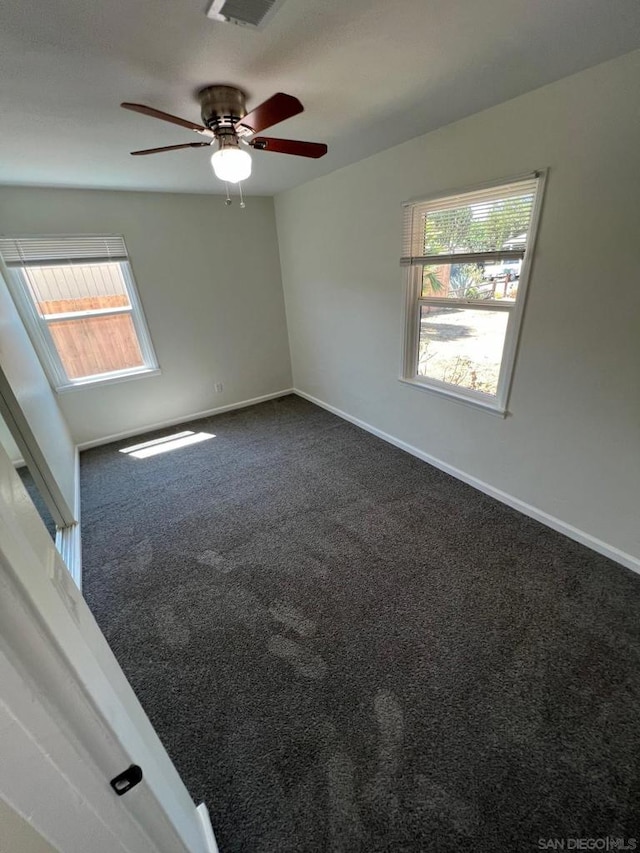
(222, 105)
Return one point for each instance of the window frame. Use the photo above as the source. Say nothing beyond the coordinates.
(38, 327)
(413, 302)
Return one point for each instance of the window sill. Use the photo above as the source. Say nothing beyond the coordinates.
(109, 379)
(458, 397)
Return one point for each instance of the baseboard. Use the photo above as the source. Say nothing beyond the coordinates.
(540, 515)
(182, 419)
(207, 829)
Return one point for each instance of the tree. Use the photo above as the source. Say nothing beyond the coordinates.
(503, 221)
(446, 230)
(476, 228)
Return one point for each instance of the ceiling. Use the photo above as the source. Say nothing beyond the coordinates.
(370, 73)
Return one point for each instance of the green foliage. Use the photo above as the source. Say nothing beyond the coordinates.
(468, 230)
(432, 280)
(446, 230)
(465, 279)
(506, 221)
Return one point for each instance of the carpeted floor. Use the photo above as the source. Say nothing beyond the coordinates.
(346, 650)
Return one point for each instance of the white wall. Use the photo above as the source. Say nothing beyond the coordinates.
(209, 280)
(31, 412)
(571, 444)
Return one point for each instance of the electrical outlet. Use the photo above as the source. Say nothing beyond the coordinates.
(218, 387)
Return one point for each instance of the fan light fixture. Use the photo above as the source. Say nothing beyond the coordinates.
(230, 163)
(225, 120)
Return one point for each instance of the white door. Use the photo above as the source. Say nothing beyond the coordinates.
(69, 721)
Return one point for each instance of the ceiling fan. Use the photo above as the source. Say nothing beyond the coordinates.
(227, 123)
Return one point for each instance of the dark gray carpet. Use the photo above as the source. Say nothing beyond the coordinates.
(344, 649)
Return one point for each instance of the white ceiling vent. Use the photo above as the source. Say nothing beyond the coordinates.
(246, 13)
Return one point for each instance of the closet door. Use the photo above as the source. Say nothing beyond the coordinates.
(33, 418)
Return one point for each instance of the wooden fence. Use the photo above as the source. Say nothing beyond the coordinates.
(92, 345)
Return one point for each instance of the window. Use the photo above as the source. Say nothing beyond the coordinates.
(467, 258)
(78, 301)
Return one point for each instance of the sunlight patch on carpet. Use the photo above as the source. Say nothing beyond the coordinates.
(166, 444)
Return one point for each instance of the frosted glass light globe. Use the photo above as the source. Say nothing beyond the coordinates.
(231, 164)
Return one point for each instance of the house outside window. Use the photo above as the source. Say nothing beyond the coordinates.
(467, 259)
(78, 300)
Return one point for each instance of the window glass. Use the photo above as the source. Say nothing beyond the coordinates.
(91, 346)
(483, 280)
(77, 303)
(462, 346)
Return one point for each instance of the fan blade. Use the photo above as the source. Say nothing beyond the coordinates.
(172, 148)
(289, 146)
(183, 122)
(272, 111)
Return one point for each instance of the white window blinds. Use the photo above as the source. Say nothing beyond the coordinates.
(47, 251)
(469, 227)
